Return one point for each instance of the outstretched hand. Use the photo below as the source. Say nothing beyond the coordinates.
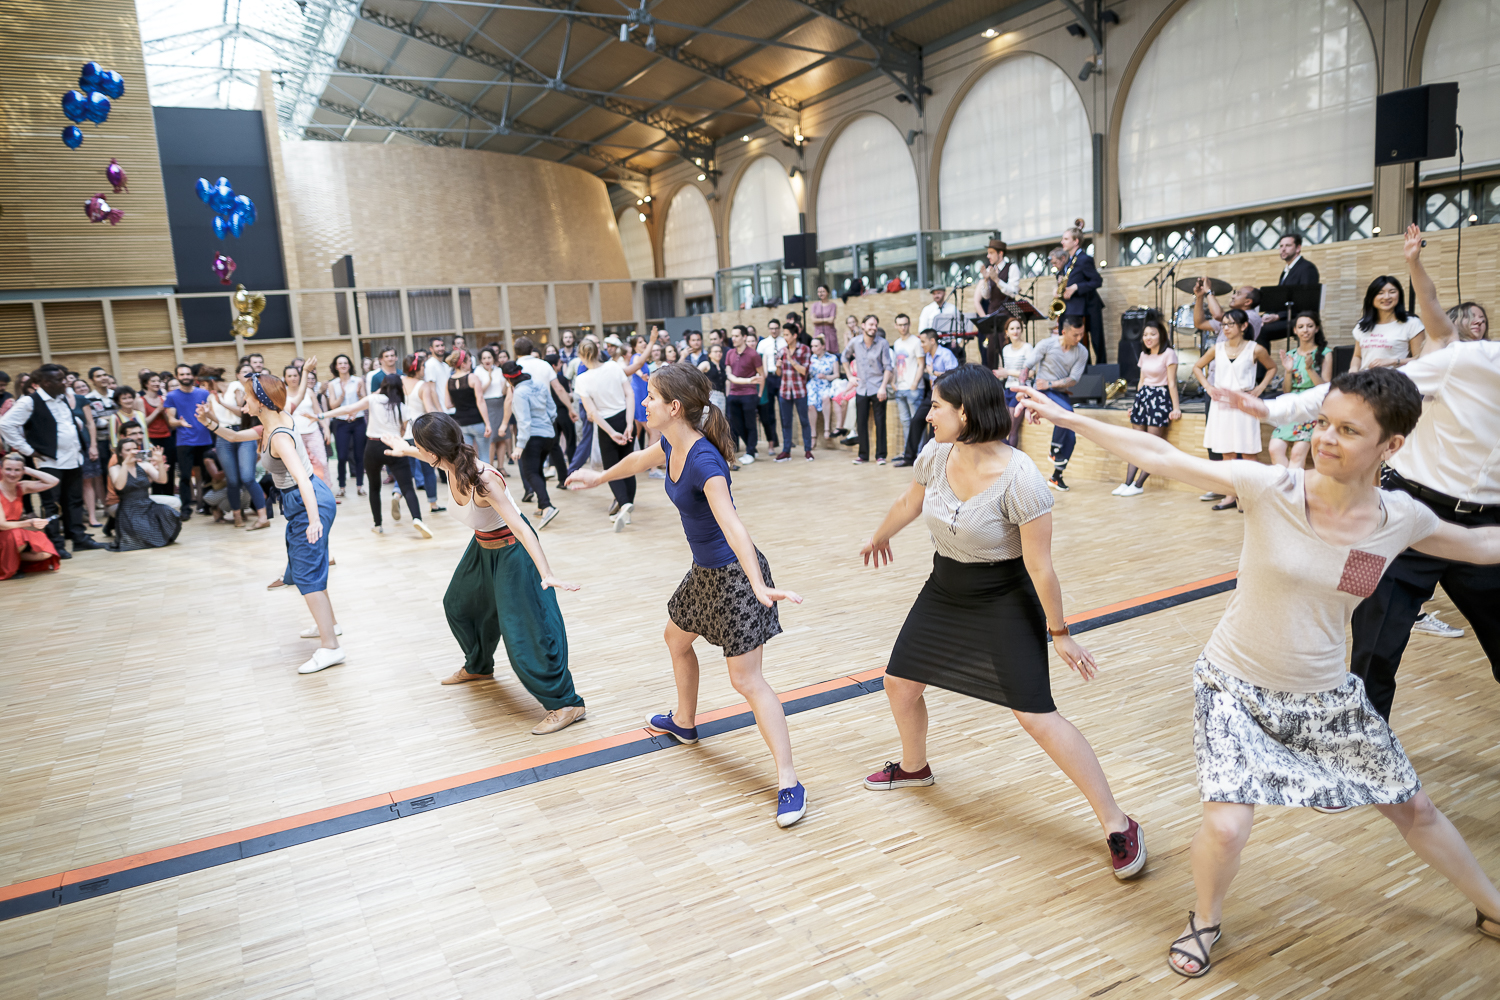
(552, 581)
(879, 552)
(770, 597)
(583, 479)
(1412, 246)
(1242, 401)
(395, 446)
(1038, 405)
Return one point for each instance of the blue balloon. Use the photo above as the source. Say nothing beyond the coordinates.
(246, 209)
(72, 137)
(221, 200)
(205, 190)
(236, 224)
(112, 85)
(75, 104)
(98, 107)
(220, 226)
(89, 78)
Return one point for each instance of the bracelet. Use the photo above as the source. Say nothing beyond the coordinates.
(1058, 632)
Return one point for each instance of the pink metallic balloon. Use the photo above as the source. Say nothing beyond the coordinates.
(115, 174)
(223, 266)
(98, 210)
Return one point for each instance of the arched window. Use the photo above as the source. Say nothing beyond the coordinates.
(635, 240)
(1242, 104)
(1464, 45)
(764, 210)
(687, 243)
(1018, 156)
(868, 188)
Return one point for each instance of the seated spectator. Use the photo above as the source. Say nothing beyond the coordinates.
(141, 523)
(24, 545)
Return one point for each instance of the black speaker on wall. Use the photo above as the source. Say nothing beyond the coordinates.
(799, 251)
(1417, 123)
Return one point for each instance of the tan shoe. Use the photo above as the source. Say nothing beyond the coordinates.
(462, 676)
(560, 718)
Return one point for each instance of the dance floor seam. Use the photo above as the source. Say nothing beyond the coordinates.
(140, 869)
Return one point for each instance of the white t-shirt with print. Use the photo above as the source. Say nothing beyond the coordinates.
(908, 352)
(1387, 341)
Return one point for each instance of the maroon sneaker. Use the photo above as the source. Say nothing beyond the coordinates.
(891, 776)
(808, 456)
(1128, 851)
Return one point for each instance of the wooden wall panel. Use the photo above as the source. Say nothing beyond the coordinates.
(46, 241)
(18, 329)
(142, 323)
(75, 326)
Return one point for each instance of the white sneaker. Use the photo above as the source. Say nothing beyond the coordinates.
(1119, 491)
(1132, 491)
(548, 516)
(747, 459)
(1431, 624)
(313, 633)
(422, 529)
(322, 659)
(623, 517)
(396, 506)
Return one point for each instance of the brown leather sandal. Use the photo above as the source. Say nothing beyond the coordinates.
(1195, 933)
(462, 676)
(1480, 920)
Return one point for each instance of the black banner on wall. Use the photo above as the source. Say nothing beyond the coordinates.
(214, 143)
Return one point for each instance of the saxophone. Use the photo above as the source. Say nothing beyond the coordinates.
(1060, 304)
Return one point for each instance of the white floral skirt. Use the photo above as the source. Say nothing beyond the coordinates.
(1283, 748)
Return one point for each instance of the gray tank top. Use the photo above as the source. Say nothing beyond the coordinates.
(277, 468)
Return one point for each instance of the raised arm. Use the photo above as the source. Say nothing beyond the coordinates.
(362, 403)
(1439, 329)
(206, 418)
(906, 509)
(719, 501)
(1149, 452)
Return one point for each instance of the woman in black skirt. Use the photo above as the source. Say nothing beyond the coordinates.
(980, 624)
(728, 597)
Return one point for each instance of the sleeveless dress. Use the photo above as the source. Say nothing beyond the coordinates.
(13, 540)
(496, 593)
(1227, 430)
(823, 314)
(140, 522)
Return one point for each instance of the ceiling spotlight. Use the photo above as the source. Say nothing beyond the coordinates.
(903, 98)
(647, 199)
(1095, 65)
(1076, 30)
(1161, 256)
(651, 41)
(641, 216)
(990, 33)
(640, 201)
(703, 177)
(1473, 218)
(744, 138)
(624, 32)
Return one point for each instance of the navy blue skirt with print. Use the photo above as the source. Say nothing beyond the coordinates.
(307, 565)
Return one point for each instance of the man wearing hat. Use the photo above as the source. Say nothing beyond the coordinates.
(941, 314)
(999, 283)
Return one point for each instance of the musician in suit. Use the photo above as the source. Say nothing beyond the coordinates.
(1081, 283)
(1298, 271)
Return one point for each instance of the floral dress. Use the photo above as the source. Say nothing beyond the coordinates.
(1301, 381)
(819, 387)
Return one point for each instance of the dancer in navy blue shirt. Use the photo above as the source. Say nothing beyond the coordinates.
(728, 597)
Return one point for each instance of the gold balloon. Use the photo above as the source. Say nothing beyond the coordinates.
(247, 309)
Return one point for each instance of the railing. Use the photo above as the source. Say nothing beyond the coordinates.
(71, 326)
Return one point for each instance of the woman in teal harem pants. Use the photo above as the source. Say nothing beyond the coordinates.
(503, 587)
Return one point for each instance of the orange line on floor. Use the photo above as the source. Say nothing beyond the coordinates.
(510, 767)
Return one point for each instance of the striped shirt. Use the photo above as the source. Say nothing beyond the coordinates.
(987, 526)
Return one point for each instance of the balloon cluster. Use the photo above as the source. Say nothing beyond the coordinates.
(232, 212)
(97, 86)
(247, 309)
(98, 210)
(223, 266)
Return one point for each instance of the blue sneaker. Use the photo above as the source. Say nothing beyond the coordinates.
(664, 724)
(791, 804)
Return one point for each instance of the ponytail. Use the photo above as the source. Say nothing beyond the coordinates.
(689, 387)
(715, 427)
(440, 434)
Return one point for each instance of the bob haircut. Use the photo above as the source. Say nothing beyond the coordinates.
(976, 389)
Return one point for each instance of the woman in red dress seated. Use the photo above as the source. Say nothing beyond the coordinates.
(23, 546)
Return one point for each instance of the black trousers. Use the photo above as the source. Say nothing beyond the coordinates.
(918, 429)
(536, 451)
(168, 445)
(864, 408)
(189, 455)
(567, 439)
(66, 501)
(767, 408)
(375, 460)
(610, 455)
(1382, 622)
(1095, 313)
(742, 420)
(349, 439)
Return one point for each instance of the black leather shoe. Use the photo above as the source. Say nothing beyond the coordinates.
(62, 551)
(86, 543)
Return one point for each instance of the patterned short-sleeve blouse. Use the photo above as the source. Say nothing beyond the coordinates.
(987, 526)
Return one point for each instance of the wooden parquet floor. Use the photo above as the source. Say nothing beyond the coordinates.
(151, 698)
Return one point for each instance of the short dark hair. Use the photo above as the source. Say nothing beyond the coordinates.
(124, 390)
(97, 368)
(1253, 294)
(1393, 397)
(524, 346)
(1294, 237)
(740, 329)
(980, 393)
(900, 316)
(1073, 322)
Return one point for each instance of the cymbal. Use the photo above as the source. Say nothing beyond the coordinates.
(1218, 285)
